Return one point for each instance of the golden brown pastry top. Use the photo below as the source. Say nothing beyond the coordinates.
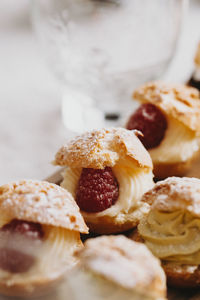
(103, 148)
(176, 100)
(175, 193)
(127, 263)
(41, 202)
(197, 57)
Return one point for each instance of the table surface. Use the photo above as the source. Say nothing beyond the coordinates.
(31, 128)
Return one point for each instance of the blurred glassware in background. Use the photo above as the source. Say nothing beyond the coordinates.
(195, 79)
(103, 49)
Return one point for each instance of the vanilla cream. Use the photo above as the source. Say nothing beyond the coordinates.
(133, 183)
(178, 145)
(53, 255)
(172, 236)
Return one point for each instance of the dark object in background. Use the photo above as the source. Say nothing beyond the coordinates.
(194, 83)
(195, 79)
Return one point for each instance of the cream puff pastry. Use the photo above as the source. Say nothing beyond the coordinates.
(40, 227)
(107, 172)
(172, 229)
(116, 268)
(169, 118)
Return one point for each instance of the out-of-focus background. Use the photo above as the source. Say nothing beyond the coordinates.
(31, 128)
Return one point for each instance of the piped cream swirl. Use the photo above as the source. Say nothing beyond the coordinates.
(179, 144)
(172, 236)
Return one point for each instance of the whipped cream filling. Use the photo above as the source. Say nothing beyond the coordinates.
(133, 183)
(178, 145)
(53, 255)
(93, 286)
(172, 236)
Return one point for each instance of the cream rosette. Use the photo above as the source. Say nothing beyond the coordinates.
(171, 230)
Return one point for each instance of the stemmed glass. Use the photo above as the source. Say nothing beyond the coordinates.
(102, 49)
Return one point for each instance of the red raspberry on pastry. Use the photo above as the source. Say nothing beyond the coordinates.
(40, 227)
(12, 260)
(169, 120)
(151, 122)
(97, 189)
(107, 172)
(28, 229)
(15, 261)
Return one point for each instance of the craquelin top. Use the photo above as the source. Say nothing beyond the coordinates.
(103, 148)
(176, 100)
(124, 262)
(41, 202)
(175, 193)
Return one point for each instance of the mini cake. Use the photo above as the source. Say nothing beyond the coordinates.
(40, 227)
(116, 268)
(107, 172)
(169, 118)
(172, 229)
(195, 80)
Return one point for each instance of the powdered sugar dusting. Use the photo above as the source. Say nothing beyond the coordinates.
(42, 202)
(175, 193)
(125, 262)
(179, 101)
(101, 148)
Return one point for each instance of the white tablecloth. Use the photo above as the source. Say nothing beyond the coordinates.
(31, 129)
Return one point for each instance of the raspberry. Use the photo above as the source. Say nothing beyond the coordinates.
(151, 122)
(14, 261)
(97, 190)
(28, 229)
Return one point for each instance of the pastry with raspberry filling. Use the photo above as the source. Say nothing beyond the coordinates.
(169, 118)
(40, 227)
(107, 172)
